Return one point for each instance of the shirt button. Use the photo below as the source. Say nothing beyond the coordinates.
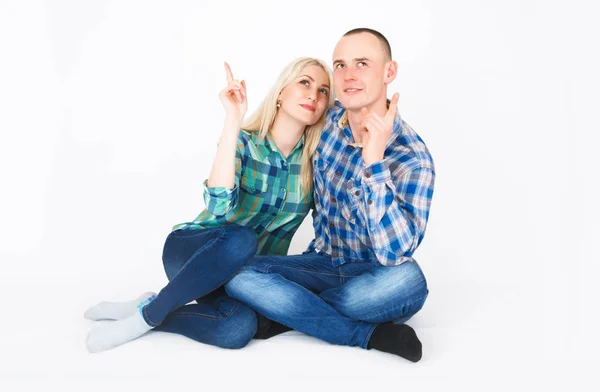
(370, 202)
(357, 193)
(333, 200)
(331, 224)
(368, 175)
(338, 173)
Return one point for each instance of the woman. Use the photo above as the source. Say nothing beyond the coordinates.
(258, 193)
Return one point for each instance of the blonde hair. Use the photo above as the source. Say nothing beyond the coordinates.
(262, 119)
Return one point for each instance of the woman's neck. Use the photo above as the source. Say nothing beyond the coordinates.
(286, 132)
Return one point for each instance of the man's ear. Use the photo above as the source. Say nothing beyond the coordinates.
(391, 72)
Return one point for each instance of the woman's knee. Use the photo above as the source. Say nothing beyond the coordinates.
(240, 243)
(238, 327)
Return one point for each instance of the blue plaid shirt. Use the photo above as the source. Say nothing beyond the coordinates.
(376, 212)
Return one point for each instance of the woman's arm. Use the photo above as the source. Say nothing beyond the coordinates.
(233, 98)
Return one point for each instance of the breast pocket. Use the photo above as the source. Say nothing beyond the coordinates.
(352, 208)
(321, 170)
(253, 185)
(253, 196)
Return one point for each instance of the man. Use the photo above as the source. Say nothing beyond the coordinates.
(357, 283)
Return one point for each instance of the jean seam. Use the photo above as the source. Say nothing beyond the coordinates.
(268, 267)
(199, 232)
(204, 247)
(147, 319)
(365, 343)
(396, 307)
(211, 317)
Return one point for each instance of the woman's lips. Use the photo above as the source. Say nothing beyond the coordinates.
(309, 107)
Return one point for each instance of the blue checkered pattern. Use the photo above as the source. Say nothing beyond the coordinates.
(377, 212)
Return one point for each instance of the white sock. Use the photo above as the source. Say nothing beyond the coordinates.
(115, 310)
(111, 335)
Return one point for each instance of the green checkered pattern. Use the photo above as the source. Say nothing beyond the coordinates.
(267, 195)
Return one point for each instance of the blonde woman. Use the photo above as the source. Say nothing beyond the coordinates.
(258, 193)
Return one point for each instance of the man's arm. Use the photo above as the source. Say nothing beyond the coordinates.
(396, 207)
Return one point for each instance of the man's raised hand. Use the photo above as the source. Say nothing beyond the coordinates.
(377, 131)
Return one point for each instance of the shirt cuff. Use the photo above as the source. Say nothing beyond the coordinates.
(217, 191)
(376, 173)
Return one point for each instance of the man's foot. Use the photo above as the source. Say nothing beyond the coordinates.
(115, 333)
(268, 328)
(115, 310)
(399, 339)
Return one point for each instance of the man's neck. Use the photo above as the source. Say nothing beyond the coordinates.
(355, 118)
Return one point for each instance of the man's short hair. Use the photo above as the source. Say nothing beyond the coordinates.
(381, 37)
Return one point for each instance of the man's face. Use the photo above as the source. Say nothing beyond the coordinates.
(359, 65)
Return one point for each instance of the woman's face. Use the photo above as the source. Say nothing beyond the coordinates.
(305, 99)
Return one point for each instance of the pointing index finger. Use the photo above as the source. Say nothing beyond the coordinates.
(391, 113)
(228, 71)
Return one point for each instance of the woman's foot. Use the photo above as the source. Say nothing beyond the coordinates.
(115, 310)
(113, 334)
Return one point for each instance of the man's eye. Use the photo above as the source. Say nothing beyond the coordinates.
(338, 66)
(363, 63)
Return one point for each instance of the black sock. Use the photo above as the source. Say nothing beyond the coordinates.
(268, 328)
(399, 339)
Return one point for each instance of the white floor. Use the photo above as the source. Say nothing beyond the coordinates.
(110, 119)
(475, 337)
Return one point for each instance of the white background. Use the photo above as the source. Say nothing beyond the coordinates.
(110, 117)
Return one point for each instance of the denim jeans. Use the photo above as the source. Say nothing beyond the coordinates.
(198, 263)
(341, 305)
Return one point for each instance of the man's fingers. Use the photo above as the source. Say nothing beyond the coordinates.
(243, 83)
(228, 72)
(373, 125)
(393, 109)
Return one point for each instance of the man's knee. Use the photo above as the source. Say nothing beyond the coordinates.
(385, 294)
(242, 283)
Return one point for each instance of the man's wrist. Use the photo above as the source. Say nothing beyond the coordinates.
(370, 159)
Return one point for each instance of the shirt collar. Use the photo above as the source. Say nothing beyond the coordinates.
(344, 126)
(268, 144)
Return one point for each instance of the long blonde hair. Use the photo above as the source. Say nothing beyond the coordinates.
(262, 119)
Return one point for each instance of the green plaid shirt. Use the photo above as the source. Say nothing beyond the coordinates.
(266, 197)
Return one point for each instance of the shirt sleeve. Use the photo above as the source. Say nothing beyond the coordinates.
(219, 200)
(396, 207)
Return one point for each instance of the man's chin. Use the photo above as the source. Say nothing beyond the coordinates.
(351, 104)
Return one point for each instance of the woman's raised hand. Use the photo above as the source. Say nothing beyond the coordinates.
(233, 97)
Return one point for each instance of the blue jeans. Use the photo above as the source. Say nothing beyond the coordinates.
(198, 263)
(341, 305)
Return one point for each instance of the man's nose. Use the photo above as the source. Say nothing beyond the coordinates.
(349, 74)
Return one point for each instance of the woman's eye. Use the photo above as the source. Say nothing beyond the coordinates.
(304, 82)
(324, 91)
